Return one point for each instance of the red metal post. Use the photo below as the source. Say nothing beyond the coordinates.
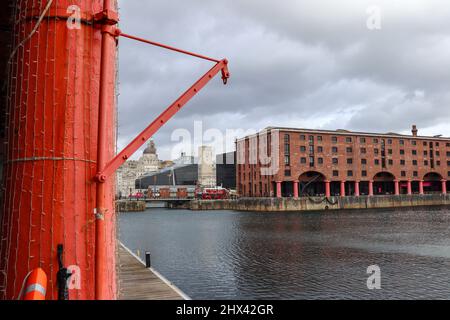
(397, 187)
(327, 189)
(357, 193)
(279, 189)
(296, 189)
(53, 101)
(107, 18)
(409, 187)
(342, 194)
(421, 190)
(371, 188)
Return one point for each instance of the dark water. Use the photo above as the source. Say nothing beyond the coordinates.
(237, 255)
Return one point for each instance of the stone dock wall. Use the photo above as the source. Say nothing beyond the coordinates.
(322, 203)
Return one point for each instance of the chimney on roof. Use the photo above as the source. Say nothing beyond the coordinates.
(414, 130)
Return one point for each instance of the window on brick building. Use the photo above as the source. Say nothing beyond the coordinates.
(287, 160)
(414, 162)
(448, 163)
(437, 144)
(364, 173)
(377, 162)
(403, 173)
(448, 173)
(302, 149)
(415, 174)
(363, 161)
(425, 152)
(349, 150)
(362, 140)
(389, 141)
(391, 162)
(389, 151)
(349, 161)
(348, 139)
(438, 163)
(402, 142)
(350, 173)
(402, 162)
(448, 144)
(414, 152)
(286, 138)
(438, 153)
(363, 150)
(425, 162)
(414, 142)
(334, 139)
(319, 138)
(303, 160)
(376, 151)
(287, 173)
(320, 149)
(335, 161)
(336, 173)
(311, 139)
(375, 140)
(448, 154)
(402, 151)
(302, 137)
(311, 149)
(320, 160)
(311, 161)
(334, 150)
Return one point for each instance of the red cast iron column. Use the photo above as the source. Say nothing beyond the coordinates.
(53, 106)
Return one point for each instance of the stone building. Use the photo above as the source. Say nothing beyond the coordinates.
(133, 169)
(338, 163)
(206, 167)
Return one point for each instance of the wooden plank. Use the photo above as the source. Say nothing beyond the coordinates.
(139, 283)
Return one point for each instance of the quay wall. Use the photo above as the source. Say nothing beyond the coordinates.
(130, 206)
(322, 203)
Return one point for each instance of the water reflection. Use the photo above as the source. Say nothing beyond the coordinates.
(234, 255)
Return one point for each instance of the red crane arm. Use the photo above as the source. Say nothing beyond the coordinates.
(166, 115)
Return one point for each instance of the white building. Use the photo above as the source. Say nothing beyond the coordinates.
(206, 167)
(133, 169)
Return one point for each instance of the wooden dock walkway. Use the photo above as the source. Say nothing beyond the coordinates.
(136, 282)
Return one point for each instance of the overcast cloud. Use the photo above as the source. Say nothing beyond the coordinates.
(311, 64)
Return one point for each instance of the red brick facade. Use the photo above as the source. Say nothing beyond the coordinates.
(319, 162)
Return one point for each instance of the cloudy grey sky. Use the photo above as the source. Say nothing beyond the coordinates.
(299, 63)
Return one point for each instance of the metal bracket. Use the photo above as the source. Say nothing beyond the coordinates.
(62, 276)
(106, 17)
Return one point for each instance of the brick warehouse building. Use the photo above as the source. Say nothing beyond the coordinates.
(341, 162)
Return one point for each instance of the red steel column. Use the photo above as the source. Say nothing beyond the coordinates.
(409, 187)
(444, 186)
(104, 212)
(371, 188)
(342, 194)
(327, 189)
(421, 187)
(397, 187)
(53, 105)
(296, 189)
(357, 193)
(278, 189)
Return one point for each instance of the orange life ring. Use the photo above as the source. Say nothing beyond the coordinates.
(36, 285)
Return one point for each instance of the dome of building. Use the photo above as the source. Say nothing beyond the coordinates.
(151, 149)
